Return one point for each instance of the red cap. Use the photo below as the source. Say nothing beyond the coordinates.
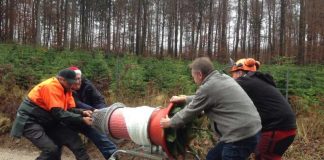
(75, 69)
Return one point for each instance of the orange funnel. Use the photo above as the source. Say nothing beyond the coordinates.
(156, 132)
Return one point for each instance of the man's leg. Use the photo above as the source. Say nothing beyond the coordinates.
(36, 134)
(69, 138)
(106, 147)
(216, 152)
(240, 150)
(273, 144)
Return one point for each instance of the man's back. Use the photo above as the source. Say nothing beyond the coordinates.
(232, 111)
(89, 95)
(50, 93)
(275, 111)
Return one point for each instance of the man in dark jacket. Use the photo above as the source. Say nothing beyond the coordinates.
(88, 97)
(44, 113)
(278, 119)
(230, 110)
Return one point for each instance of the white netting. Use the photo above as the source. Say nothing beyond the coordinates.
(100, 120)
(137, 120)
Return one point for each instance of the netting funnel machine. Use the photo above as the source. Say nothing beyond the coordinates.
(141, 125)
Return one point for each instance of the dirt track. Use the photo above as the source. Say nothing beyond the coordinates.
(21, 154)
(8, 154)
(22, 149)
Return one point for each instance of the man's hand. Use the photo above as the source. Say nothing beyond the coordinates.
(87, 113)
(165, 122)
(178, 99)
(87, 120)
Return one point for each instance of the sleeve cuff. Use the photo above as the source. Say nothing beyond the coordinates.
(189, 99)
(176, 122)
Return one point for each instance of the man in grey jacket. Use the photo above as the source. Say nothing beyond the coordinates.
(231, 112)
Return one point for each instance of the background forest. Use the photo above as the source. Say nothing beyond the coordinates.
(262, 29)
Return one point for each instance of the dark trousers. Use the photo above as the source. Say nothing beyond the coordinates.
(106, 147)
(50, 139)
(239, 150)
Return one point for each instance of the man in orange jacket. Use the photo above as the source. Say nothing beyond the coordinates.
(45, 113)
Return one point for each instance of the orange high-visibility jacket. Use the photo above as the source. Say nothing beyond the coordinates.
(50, 93)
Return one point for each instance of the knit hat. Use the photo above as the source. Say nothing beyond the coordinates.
(68, 74)
(76, 70)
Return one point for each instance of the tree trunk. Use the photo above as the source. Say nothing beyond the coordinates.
(256, 27)
(58, 26)
(144, 27)
(163, 25)
(224, 19)
(124, 33)
(138, 28)
(66, 24)
(181, 18)
(149, 34)
(131, 27)
(107, 52)
(157, 23)
(170, 31)
(245, 13)
(301, 37)
(199, 29)
(282, 28)
(176, 26)
(1, 23)
(270, 47)
(12, 20)
(210, 30)
(260, 10)
(274, 25)
(82, 23)
(237, 33)
(72, 43)
(193, 24)
(38, 27)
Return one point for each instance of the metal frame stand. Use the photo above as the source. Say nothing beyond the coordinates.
(149, 152)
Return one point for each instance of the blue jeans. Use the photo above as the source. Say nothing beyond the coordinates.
(106, 147)
(239, 150)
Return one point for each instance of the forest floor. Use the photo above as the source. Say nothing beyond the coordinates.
(17, 149)
(22, 149)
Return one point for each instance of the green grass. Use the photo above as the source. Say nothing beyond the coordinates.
(132, 76)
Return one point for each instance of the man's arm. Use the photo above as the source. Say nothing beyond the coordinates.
(189, 98)
(82, 105)
(66, 116)
(182, 99)
(52, 98)
(194, 108)
(96, 97)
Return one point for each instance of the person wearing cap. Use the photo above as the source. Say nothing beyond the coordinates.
(87, 96)
(278, 120)
(231, 112)
(44, 114)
